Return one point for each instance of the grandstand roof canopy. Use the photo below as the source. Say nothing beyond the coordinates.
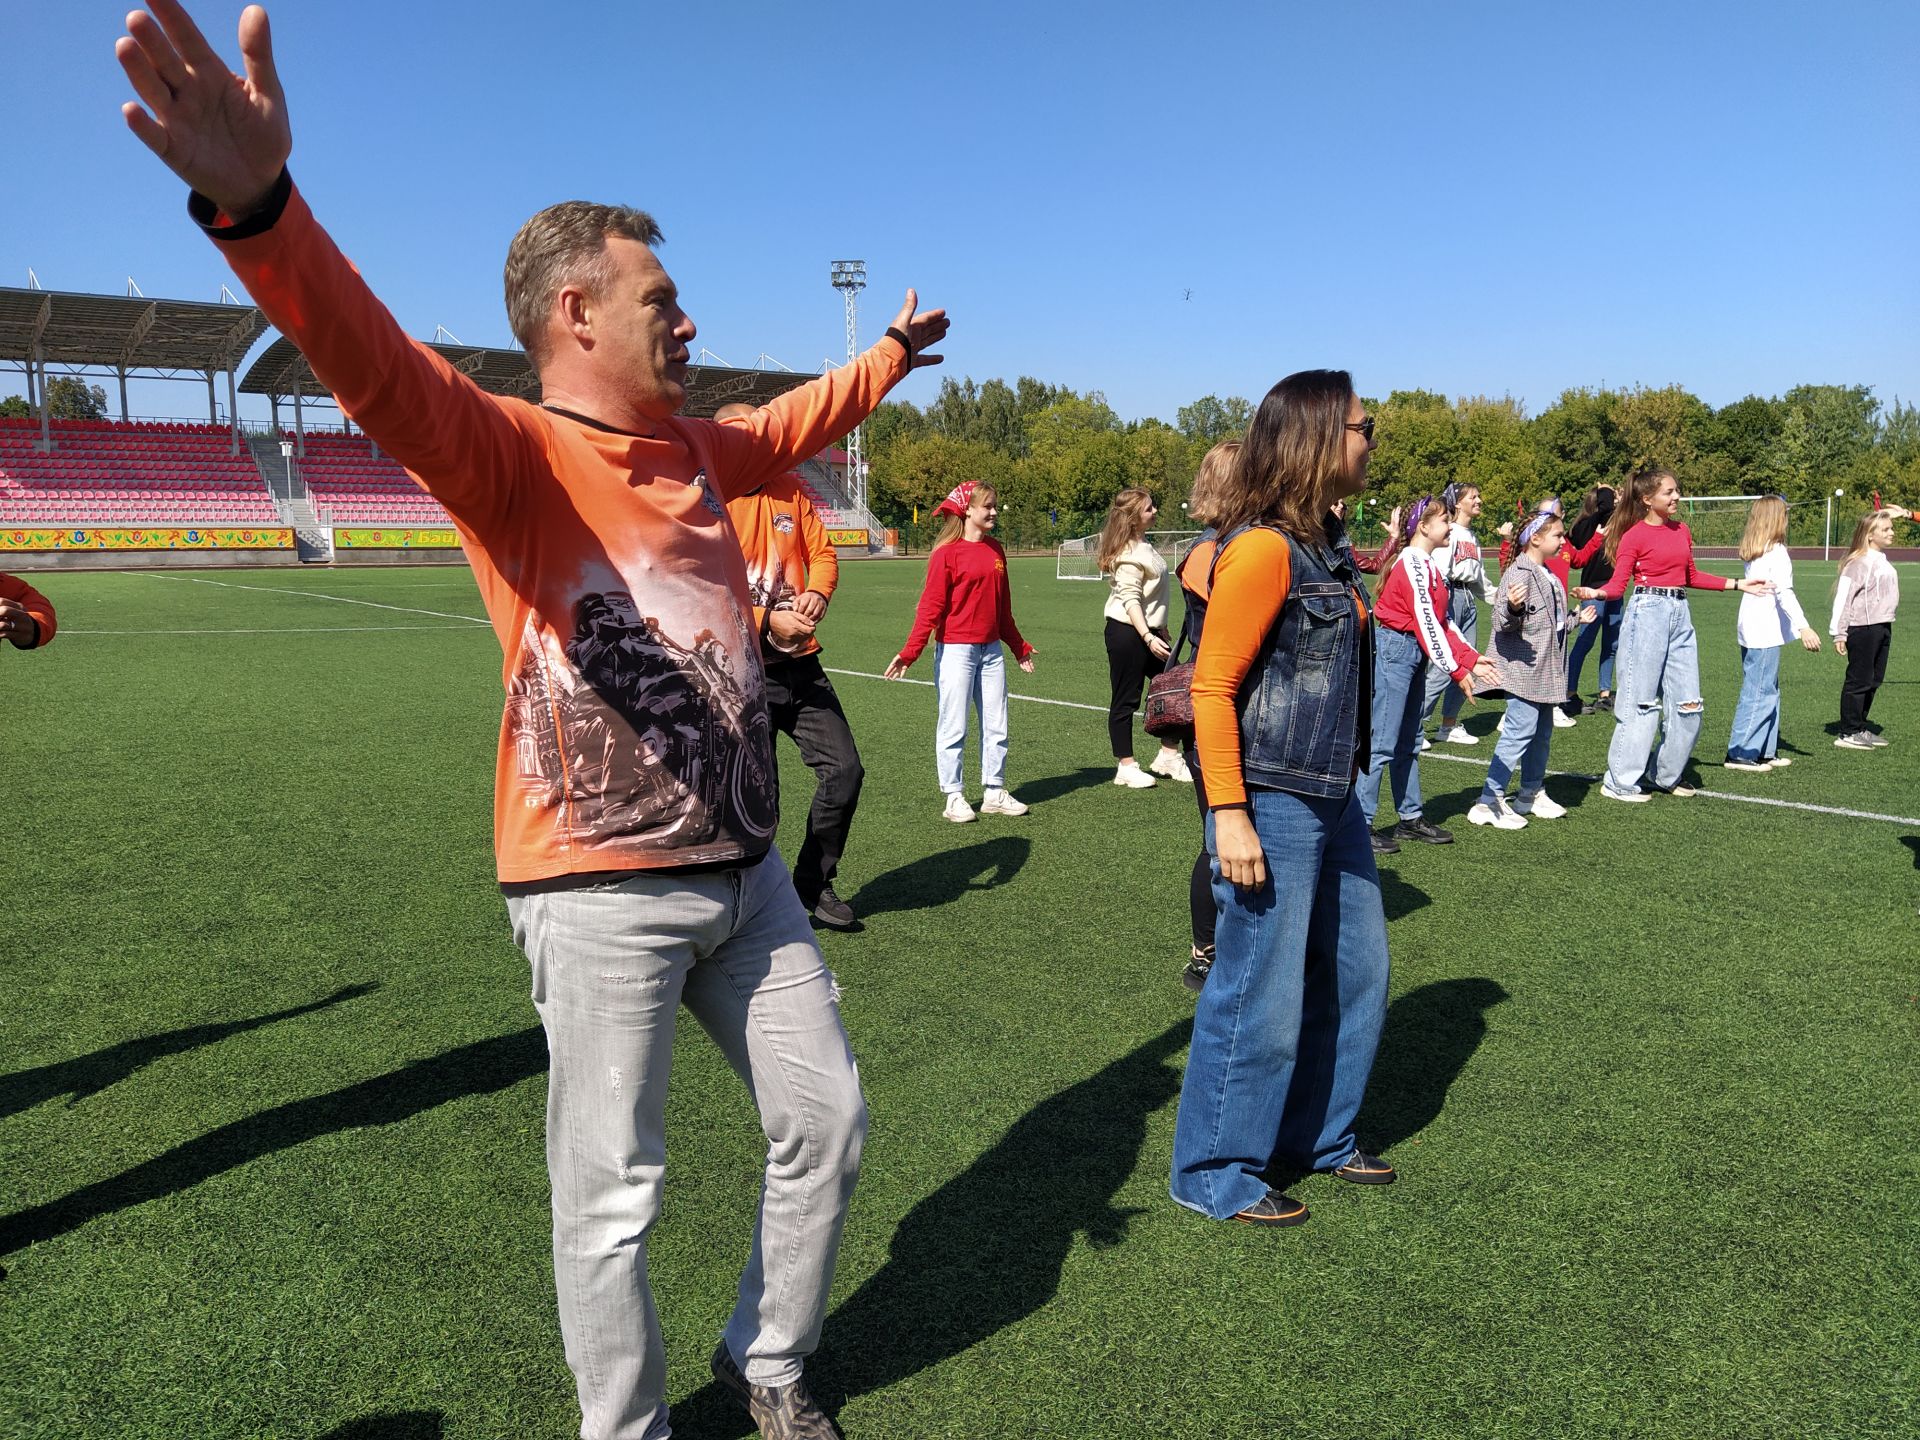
(129, 332)
(281, 367)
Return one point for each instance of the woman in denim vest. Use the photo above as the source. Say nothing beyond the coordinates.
(1286, 1027)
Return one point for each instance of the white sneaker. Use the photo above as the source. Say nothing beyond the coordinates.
(1130, 776)
(1632, 797)
(1762, 766)
(1683, 791)
(1496, 815)
(1562, 720)
(999, 802)
(1460, 735)
(957, 809)
(1539, 807)
(1173, 765)
(1425, 743)
(1778, 762)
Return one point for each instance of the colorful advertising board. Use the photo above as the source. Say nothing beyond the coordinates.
(846, 537)
(129, 537)
(396, 539)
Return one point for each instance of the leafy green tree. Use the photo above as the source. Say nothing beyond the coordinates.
(1663, 427)
(68, 398)
(1417, 446)
(1577, 443)
(1828, 431)
(1497, 454)
(1211, 419)
(1747, 435)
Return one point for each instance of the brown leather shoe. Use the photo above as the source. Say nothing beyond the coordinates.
(783, 1412)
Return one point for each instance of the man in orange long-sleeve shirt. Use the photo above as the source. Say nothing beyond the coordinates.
(791, 572)
(26, 617)
(634, 799)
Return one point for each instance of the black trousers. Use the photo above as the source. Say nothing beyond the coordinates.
(1867, 647)
(1202, 911)
(801, 703)
(1130, 665)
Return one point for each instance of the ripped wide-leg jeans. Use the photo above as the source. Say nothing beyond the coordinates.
(1658, 669)
(612, 964)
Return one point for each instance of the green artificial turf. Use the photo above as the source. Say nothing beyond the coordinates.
(271, 1091)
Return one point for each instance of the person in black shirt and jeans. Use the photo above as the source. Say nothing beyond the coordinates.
(1595, 510)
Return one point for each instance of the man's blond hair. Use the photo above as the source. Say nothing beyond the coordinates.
(565, 244)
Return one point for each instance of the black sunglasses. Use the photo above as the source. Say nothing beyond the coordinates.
(1365, 427)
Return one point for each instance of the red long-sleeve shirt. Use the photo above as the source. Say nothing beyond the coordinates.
(1660, 555)
(33, 602)
(1413, 600)
(966, 600)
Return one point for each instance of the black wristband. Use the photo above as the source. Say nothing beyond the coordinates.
(894, 332)
(206, 214)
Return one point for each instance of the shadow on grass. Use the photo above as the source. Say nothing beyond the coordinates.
(986, 1249)
(1052, 787)
(1398, 897)
(1912, 842)
(943, 877)
(1431, 1034)
(401, 1425)
(88, 1075)
(476, 1069)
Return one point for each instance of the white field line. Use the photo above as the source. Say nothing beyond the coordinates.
(307, 594)
(1710, 794)
(282, 630)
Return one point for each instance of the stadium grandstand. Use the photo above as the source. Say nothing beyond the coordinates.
(302, 482)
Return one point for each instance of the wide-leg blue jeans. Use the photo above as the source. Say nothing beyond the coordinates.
(1286, 1029)
(1400, 669)
(1756, 719)
(1659, 693)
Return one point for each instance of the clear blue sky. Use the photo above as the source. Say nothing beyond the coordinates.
(1469, 198)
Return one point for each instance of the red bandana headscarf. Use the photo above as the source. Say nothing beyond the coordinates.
(957, 499)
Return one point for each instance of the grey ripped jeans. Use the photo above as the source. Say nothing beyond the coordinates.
(611, 966)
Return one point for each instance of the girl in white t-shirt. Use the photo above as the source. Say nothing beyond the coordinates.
(1766, 624)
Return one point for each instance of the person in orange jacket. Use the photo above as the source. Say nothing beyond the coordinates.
(26, 617)
(791, 572)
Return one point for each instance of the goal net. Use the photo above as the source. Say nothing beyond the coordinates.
(1074, 560)
(1716, 520)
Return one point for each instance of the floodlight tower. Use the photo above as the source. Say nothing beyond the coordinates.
(850, 278)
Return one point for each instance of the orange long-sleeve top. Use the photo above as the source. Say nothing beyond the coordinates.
(1250, 584)
(635, 734)
(13, 588)
(786, 551)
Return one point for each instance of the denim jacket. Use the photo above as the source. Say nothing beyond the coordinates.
(1306, 704)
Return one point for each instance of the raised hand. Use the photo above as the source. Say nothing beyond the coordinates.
(1589, 614)
(1517, 596)
(225, 135)
(924, 329)
(1754, 587)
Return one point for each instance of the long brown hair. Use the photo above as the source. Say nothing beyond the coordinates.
(1766, 527)
(956, 524)
(1295, 448)
(1632, 506)
(1126, 523)
(1211, 482)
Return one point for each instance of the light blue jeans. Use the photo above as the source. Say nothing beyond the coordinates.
(1526, 734)
(1756, 720)
(1659, 673)
(1286, 1029)
(973, 675)
(1399, 674)
(612, 964)
(1465, 614)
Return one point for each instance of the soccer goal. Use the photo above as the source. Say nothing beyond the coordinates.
(1074, 560)
(1716, 520)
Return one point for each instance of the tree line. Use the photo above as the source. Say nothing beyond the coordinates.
(1057, 456)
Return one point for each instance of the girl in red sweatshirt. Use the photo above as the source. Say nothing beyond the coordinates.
(966, 606)
(1658, 667)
